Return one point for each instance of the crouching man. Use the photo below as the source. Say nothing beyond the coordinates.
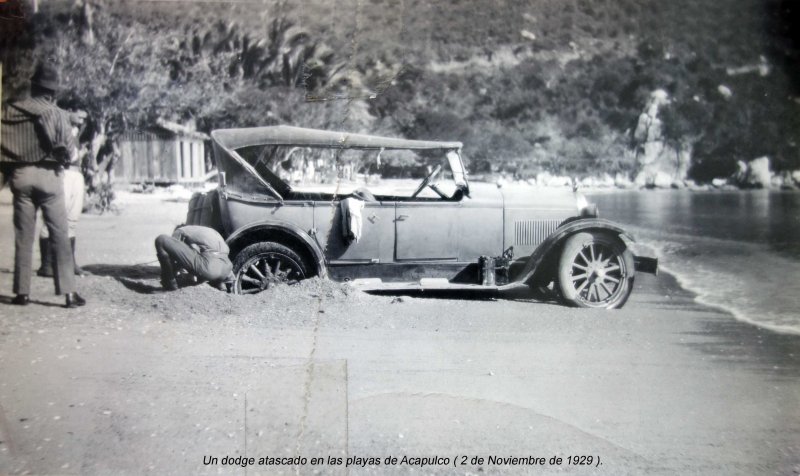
(199, 250)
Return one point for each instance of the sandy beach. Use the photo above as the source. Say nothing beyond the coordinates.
(145, 382)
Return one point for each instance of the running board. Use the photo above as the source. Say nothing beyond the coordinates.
(424, 284)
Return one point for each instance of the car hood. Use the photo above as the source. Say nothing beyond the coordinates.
(523, 196)
(526, 196)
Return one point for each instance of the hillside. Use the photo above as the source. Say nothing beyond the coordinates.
(552, 85)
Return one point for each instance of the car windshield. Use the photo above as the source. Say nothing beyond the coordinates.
(391, 171)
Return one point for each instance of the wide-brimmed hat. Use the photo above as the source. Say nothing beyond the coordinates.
(46, 76)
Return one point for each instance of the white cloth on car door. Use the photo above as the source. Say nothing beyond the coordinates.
(351, 219)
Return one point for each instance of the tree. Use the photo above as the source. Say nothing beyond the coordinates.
(128, 72)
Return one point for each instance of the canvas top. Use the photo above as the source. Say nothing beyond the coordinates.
(289, 135)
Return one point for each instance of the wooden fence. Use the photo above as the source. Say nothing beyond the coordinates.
(150, 157)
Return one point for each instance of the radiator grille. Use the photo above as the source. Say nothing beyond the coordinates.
(533, 232)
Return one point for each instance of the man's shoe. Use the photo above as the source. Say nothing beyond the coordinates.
(45, 272)
(169, 284)
(74, 300)
(21, 300)
(218, 285)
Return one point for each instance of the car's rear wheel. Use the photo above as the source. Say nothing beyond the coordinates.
(595, 270)
(266, 264)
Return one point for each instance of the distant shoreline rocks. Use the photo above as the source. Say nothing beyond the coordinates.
(755, 174)
(758, 173)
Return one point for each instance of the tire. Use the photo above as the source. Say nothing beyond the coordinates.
(255, 269)
(595, 270)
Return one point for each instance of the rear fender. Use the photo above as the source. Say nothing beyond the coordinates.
(284, 233)
(204, 210)
(546, 255)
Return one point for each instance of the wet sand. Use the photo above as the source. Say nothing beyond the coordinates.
(146, 382)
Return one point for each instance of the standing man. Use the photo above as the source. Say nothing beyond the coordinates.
(36, 145)
(74, 189)
(200, 250)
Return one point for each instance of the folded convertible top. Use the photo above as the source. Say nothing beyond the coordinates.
(299, 136)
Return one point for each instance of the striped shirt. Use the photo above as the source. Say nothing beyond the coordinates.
(32, 129)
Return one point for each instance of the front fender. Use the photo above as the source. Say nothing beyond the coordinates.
(283, 232)
(553, 243)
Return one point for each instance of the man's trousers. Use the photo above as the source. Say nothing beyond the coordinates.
(35, 187)
(74, 190)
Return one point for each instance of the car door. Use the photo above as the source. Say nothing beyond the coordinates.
(427, 231)
(376, 244)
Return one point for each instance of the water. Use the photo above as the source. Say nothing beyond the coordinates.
(739, 251)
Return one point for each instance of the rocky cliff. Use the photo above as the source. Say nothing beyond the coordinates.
(660, 163)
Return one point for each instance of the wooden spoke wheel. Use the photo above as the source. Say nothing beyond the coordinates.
(595, 270)
(263, 265)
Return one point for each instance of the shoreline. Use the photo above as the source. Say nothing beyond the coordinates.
(735, 314)
(762, 340)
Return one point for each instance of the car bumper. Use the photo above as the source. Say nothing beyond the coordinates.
(645, 264)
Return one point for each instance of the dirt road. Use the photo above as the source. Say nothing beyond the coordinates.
(145, 382)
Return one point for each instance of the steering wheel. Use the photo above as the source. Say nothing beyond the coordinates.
(426, 181)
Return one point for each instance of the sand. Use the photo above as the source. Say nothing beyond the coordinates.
(140, 381)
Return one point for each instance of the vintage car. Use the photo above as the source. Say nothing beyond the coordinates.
(447, 236)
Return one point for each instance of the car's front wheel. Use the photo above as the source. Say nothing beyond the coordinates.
(595, 270)
(262, 265)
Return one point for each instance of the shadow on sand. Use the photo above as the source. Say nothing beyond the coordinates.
(130, 276)
(139, 278)
(521, 295)
(7, 300)
(140, 287)
(117, 271)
